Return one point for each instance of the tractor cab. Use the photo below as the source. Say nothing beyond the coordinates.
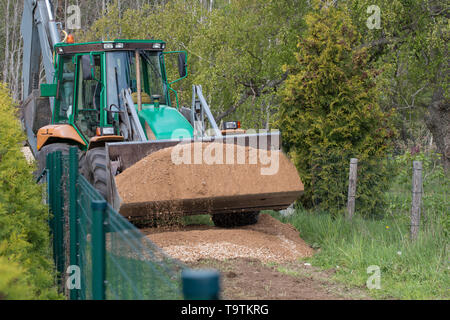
(92, 77)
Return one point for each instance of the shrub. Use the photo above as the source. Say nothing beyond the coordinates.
(13, 284)
(24, 231)
(329, 114)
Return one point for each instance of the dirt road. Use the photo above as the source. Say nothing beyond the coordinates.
(268, 241)
(249, 279)
(263, 261)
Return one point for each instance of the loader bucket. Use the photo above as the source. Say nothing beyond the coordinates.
(125, 156)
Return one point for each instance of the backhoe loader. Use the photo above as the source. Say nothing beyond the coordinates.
(112, 99)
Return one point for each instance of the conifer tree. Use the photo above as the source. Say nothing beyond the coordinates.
(24, 230)
(329, 114)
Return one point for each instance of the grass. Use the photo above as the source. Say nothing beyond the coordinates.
(409, 269)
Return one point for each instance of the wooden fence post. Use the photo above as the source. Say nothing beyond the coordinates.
(416, 198)
(352, 188)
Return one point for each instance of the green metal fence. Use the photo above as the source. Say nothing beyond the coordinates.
(114, 260)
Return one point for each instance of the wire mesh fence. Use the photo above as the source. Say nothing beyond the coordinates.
(110, 258)
(384, 188)
(116, 261)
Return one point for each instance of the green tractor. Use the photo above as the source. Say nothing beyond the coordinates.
(112, 100)
(97, 100)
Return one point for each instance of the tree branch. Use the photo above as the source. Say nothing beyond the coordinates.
(245, 95)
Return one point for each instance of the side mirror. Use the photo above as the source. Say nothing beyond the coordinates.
(182, 64)
(111, 111)
(49, 90)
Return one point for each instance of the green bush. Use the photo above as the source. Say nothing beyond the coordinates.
(329, 114)
(24, 231)
(13, 284)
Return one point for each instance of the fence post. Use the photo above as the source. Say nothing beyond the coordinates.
(73, 215)
(98, 249)
(58, 212)
(201, 284)
(352, 188)
(51, 200)
(416, 198)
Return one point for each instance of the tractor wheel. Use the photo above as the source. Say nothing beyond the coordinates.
(94, 169)
(50, 148)
(230, 220)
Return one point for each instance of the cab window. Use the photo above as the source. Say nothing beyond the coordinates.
(89, 90)
(64, 103)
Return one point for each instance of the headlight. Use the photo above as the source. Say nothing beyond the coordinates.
(108, 131)
(231, 125)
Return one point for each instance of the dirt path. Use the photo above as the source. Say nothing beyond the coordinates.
(262, 261)
(249, 279)
(268, 241)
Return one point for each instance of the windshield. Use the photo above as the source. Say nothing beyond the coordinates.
(121, 74)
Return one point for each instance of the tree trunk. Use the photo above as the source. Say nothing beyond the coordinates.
(438, 122)
(6, 61)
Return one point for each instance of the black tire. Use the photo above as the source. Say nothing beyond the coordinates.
(231, 220)
(94, 169)
(53, 147)
(50, 148)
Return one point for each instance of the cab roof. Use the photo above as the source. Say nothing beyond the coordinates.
(116, 45)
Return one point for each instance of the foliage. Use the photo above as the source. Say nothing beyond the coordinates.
(411, 46)
(329, 114)
(13, 284)
(436, 183)
(236, 49)
(24, 232)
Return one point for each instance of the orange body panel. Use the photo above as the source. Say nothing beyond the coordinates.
(101, 140)
(233, 132)
(106, 138)
(58, 131)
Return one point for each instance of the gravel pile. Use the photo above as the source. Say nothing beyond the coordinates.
(268, 241)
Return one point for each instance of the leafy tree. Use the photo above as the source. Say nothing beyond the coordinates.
(246, 45)
(329, 114)
(411, 46)
(236, 49)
